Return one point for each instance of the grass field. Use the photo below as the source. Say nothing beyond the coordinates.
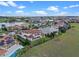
(68, 45)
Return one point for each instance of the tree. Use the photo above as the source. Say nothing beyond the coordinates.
(4, 27)
(69, 26)
(23, 41)
(12, 19)
(62, 29)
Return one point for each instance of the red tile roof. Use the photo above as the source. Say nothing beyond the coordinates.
(2, 52)
(60, 22)
(33, 31)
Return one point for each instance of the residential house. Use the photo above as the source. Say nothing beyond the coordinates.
(32, 34)
(2, 52)
(49, 29)
(10, 52)
(59, 23)
(8, 46)
(62, 25)
(12, 33)
(6, 41)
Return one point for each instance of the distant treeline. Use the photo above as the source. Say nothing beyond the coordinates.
(36, 18)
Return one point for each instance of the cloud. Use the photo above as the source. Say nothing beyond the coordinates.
(3, 3)
(53, 8)
(65, 7)
(11, 3)
(8, 12)
(62, 14)
(40, 12)
(15, 14)
(71, 6)
(31, 1)
(19, 11)
(8, 3)
(21, 7)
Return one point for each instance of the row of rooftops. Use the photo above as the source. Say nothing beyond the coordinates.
(6, 42)
(35, 33)
(31, 34)
(32, 31)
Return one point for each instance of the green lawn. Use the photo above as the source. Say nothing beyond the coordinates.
(67, 45)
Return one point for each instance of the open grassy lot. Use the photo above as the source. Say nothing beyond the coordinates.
(66, 46)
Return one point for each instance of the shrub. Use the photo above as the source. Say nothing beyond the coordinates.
(39, 41)
(23, 41)
(62, 29)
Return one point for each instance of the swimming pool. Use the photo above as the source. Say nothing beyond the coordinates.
(13, 55)
(12, 50)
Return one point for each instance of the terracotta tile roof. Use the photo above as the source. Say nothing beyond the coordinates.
(33, 31)
(30, 36)
(6, 40)
(2, 52)
(60, 22)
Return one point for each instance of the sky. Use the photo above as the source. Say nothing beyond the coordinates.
(39, 8)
